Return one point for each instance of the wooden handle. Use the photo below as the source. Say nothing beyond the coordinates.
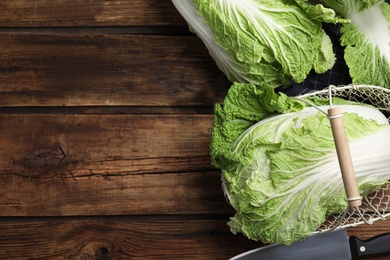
(344, 157)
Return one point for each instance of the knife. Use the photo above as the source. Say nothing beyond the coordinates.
(335, 245)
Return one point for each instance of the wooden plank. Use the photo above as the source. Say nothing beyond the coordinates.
(107, 70)
(87, 139)
(180, 193)
(157, 237)
(124, 238)
(55, 165)
(88, 13)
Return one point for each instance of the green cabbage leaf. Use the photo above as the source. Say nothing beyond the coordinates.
(318, 11)
(367, 45)
(279, 164)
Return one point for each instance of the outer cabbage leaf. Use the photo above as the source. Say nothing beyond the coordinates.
(344, 7)
(325, 58)
(320, 12)
(244, 105)
(279, 162)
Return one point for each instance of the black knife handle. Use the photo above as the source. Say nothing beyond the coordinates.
(374, 246)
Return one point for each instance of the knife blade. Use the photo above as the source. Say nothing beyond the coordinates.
(335, 245)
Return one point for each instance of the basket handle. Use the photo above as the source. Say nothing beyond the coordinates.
(344, 157)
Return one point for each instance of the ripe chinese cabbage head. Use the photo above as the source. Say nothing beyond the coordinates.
(273, 42)
(263, 42)
(279, 162)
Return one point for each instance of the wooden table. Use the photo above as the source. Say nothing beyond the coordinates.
(105, 116)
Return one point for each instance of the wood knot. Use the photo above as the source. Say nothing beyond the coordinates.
(44, 161)
(102, 253)
(94, 250)
(44, 158)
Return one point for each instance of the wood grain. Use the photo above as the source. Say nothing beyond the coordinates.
(180, 193)
(85, 139)
(60, 13)
(158, 237)
(107, 70)
(107, 164)
(146, 237)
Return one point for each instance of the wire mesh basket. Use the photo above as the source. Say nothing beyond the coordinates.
(375, 206)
